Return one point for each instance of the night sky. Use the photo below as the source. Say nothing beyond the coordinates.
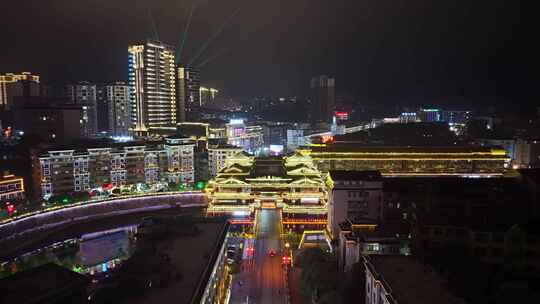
(394, 52)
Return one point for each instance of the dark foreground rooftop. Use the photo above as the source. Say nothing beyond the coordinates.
(48, 283)
(410, 281)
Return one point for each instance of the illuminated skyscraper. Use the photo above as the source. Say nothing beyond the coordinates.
(323, 98)
(152, 86)
(189, 95)
(17, 85)
(118, 116)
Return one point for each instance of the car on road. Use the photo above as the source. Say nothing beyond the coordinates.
(231, 256)
(271, 253)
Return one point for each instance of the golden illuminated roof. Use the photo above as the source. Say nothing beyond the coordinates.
(353, 151)
(267, 170)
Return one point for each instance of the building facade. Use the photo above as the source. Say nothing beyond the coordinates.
(17, 85)
(53, 123)
(207, 95)
(356, 196)
(430, 115)
(289, 183)
(11, 188)
(152, 86)
(102, 110)
(218, 155)
(189, 93)
(323, 98)
(408, 117)
(71, 170)
(525, 153)
(295, 139)
(358, 240)
(456, 117)
(410, 161)
(84, 94)
(250, 138)
(118, 109)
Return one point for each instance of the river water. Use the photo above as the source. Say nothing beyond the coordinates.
(94, 254)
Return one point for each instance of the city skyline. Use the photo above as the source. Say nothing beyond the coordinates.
(376, 51)
(210, 151)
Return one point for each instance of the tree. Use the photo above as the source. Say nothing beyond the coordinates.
(515, 249)
(81, 196)
(319, 272)
(310, 256)
(353, 288)
(172, 186)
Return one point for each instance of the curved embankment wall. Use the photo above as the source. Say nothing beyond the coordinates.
(95, 210)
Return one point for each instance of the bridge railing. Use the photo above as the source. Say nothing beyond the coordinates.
(53, 217)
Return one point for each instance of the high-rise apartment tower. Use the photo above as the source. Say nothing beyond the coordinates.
(152, 86)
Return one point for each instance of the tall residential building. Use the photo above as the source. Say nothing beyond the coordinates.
(84, 94)
(323, 98)
(152, 86)
(17, 85)
(118, 114)
(102, 109)
(189, 95)
(207, 95)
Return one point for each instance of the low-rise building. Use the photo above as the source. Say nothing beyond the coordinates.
(359, 239)
(52, 121)
(17, 85)
(410, 160)
(75, 169)
(525, 153)
(11, 188)
(295, 139)
(392, 279)
(408, 117)
(355, 196)
(217, 156)
(250, 138)
(291, 183)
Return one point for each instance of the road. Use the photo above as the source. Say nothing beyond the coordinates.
(261, 279)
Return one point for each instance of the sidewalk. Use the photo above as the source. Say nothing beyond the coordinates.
(240, 293)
